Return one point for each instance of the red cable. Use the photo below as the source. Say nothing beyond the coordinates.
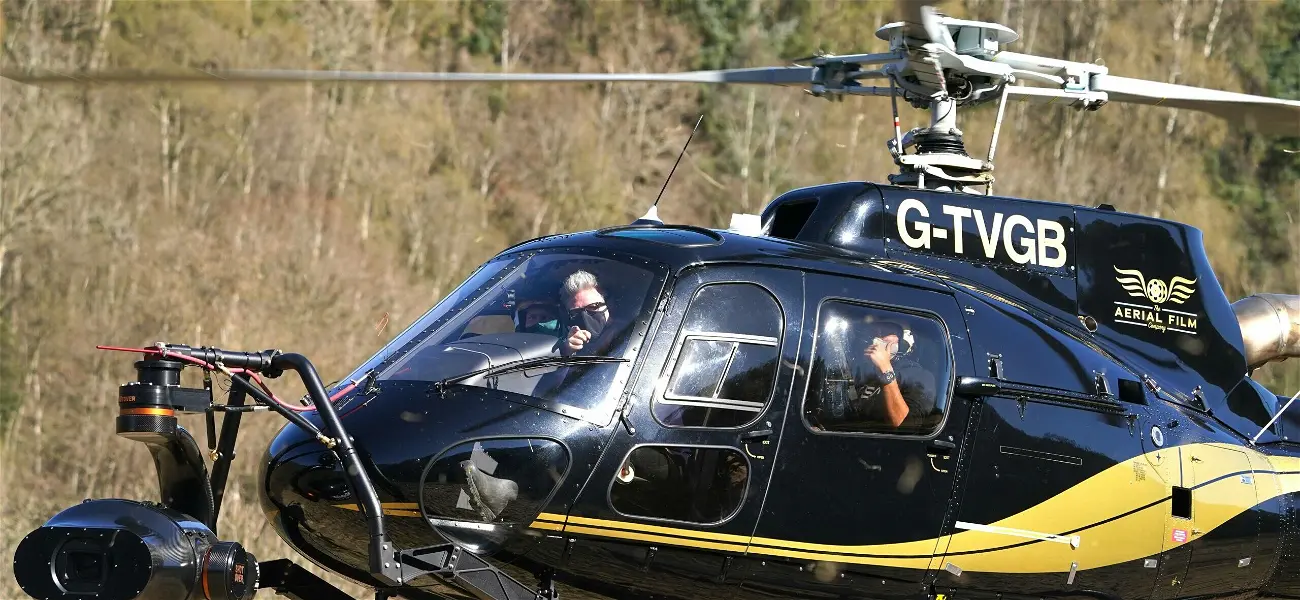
(340, 393)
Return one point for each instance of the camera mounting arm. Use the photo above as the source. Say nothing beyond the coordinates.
(150, 404)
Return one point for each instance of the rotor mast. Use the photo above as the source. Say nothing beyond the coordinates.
(936, 53)
(940, 160)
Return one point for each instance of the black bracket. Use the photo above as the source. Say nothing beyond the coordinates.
(1102, 384)
(445, 561)
(469, 572)
(995, 366)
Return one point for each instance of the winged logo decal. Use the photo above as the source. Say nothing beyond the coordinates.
(1177, 291)
(1154, 299)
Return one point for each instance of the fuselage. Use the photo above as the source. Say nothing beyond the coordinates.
(1108, 452)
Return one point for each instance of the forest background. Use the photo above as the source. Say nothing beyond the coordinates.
(324, 218)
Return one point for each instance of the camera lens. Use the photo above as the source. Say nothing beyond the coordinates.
(81, 567)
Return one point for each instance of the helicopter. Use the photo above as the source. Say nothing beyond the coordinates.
(914, 390)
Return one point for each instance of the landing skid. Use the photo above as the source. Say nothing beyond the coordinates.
(448, 562)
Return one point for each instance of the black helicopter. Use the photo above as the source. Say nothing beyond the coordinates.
(904, 390)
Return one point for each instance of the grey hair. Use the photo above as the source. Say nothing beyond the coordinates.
(578, 281)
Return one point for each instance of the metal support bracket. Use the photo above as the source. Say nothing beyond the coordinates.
(468, 571)
(995, 366)
(1275, 417)
(444, 561)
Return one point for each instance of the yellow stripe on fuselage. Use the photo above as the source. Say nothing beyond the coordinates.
(394, 509)
(1120, 514)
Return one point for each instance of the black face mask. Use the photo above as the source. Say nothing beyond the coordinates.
(593, 321)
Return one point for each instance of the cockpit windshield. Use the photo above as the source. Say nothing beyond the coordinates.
(550, 313)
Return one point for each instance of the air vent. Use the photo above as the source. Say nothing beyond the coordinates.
(1182, 502)
(790, 218)
(831, 215)
(1130, 390)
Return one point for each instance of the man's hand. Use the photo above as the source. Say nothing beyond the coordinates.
(577, 339)
(879, 355)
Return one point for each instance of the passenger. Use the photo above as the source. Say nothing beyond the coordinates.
(536, 316)
(896, 388)
(587, 312)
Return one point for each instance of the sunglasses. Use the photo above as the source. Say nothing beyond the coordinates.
(593, 307)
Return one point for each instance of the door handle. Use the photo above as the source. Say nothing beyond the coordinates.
(939, 449)
(941, 446)
(756, 435)
(753, 436)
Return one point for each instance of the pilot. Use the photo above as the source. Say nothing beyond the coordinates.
(586, 311)
(582, 307)
(895, 389)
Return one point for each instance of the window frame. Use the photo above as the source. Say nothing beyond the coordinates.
(744, 497)
(661, 391)
(671, 399)
(601, 411)
(947, 387)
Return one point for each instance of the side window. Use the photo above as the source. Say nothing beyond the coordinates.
(681, 483)
(723, 367)
(876, 370)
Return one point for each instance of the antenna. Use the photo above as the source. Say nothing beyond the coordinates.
(652, 215)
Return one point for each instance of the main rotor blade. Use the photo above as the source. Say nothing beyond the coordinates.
(913, 18)
(921, 21)
(761, 76)
(1272, 116)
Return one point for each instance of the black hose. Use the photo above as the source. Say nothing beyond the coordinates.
(293, 417)
(347, 453)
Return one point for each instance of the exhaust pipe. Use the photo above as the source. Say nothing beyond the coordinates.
(1270, 327)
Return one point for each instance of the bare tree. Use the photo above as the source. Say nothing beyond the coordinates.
(1176, 37)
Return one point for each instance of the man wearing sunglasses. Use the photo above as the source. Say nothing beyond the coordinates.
(587, 312)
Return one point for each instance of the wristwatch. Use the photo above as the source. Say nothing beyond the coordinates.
(887, 377)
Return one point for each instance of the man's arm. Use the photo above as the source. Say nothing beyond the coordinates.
(896, 408)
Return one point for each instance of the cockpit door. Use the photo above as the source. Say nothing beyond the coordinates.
(863, 488)
(676, 494)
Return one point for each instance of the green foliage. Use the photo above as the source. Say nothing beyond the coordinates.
(1260, 180)
(730, 30)
(1280, 52)
(1255, 175)
(480, 25)
(717, 23)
